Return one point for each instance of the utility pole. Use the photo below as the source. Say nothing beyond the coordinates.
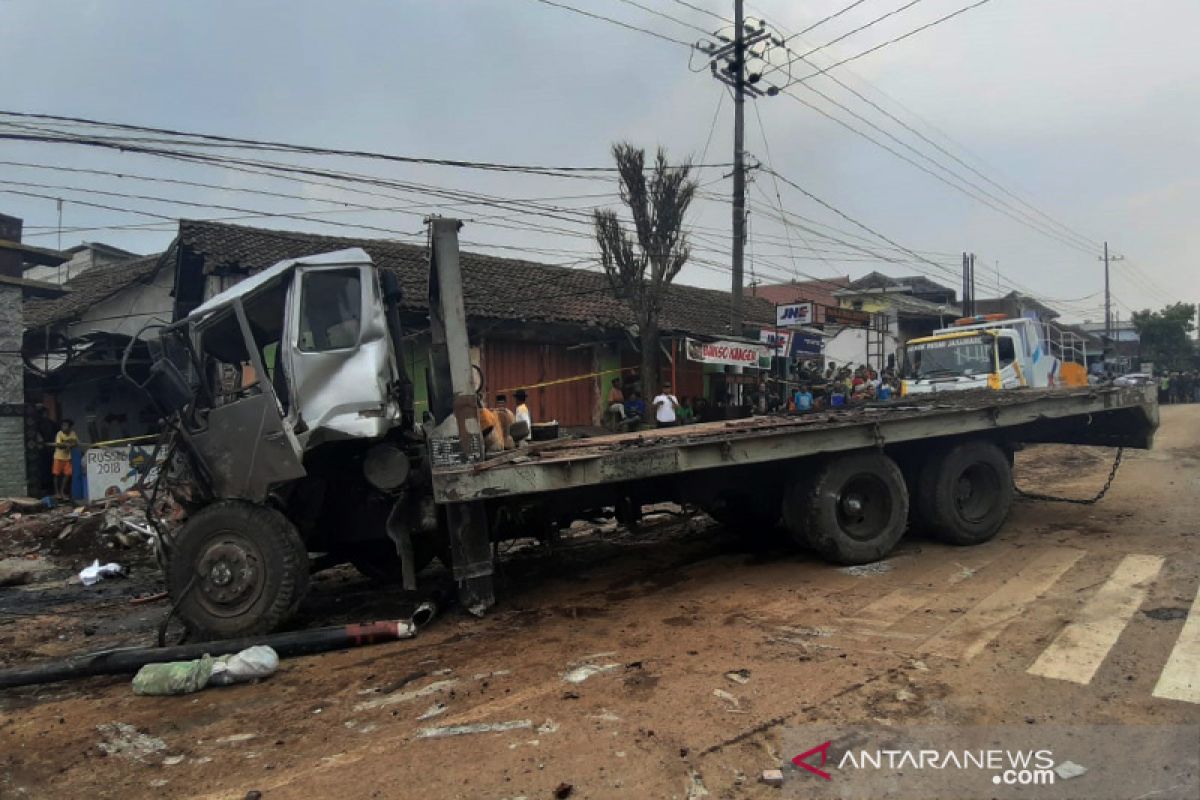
(739, 164)
(1107, 295)
(738, 61)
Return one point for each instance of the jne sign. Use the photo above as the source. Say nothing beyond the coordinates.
(794, 314)
(732, 353)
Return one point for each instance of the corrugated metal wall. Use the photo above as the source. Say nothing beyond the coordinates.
(510, 365)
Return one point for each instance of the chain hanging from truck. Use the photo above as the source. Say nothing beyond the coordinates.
(1080, 501)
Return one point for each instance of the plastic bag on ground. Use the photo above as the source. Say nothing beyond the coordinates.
(252, 663)
(173, 677)
(92, 575)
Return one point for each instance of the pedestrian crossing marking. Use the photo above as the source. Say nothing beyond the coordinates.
(1081, 647)
(966, 637)
(1180, 678)
(895, 605)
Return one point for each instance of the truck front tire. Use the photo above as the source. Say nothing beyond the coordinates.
(236, 569)
(964, 495)
(851, 510)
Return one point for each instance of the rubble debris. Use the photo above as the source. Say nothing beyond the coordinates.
(696, 787)
(404, 697)
(727, 697)
(739, 676)
(435, 710)
(582, 673)
(481, 727)
(772, 777)
(863, 570)
(1069, 769)
(92, 575)
(125, 741)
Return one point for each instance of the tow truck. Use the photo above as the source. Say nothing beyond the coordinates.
(992, 351)
(290, 432)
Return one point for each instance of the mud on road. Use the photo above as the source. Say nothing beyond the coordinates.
(663, 663)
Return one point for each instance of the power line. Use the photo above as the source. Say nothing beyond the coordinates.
(612, 21)
(665, 16)
(859, 29)
(825, 19)
(701, 10)
(896, 40)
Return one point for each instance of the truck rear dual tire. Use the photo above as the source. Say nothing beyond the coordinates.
(851, 509)
(965, 494)
(236, 569)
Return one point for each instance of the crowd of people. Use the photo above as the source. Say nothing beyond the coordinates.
(1179, 387)
(816, 389)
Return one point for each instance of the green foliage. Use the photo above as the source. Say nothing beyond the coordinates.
(1164, 335)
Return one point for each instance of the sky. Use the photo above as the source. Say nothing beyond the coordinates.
(1077, 118)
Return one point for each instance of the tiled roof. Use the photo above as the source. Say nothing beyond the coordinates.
(89, 288)
(917, 283)
(493, 287)
(816, 291)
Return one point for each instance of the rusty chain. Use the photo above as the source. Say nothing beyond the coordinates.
(1112, 474)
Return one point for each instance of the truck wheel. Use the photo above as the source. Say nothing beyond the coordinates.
(379, 561)
(236, 569)
(965, 495)
(852, 510)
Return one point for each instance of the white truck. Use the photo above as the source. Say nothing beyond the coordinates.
(994, 352)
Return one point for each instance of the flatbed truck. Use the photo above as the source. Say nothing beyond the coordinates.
(292, 432)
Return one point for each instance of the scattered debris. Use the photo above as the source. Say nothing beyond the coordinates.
(727, 697)
(563, 791)
(918, 665)
(482, 727)
(739, 676)
(582, 673)
(772, 777)
(1069, 769)
(93, 574)
(549, 726)
(696, 787)
(404, 697)
(861, 570)
(236, 738)
(904, 695)
(126, 741)
(434, 710)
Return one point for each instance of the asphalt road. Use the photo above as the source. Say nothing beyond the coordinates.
(673, 663)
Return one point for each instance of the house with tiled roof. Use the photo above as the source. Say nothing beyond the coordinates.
(556, 329)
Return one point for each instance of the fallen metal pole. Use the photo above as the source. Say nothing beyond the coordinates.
(294, 643)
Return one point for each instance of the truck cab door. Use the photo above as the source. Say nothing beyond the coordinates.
(338, 354)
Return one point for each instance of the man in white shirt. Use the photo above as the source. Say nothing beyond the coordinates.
(665, 404)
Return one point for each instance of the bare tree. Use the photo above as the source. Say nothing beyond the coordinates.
(641, 266)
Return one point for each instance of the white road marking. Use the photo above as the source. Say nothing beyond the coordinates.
(1081, 647)
(895, 605)
(1180, 678)
(966, 637)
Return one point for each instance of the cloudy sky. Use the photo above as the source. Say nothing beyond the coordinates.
(1071, 120)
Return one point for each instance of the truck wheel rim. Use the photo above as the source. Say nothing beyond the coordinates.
(230, 574)
(864, 507)
(976, 492)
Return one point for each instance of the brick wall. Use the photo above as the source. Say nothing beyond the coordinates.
(12, 394)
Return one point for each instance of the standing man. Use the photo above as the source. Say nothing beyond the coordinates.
(64, 443)
(523, 409)
(616, 402)
(665, 404)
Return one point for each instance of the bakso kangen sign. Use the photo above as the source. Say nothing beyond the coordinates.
(734, 354)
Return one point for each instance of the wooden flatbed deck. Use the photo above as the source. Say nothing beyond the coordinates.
(1113, 416)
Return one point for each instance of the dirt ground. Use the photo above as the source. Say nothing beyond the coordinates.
(665, 663)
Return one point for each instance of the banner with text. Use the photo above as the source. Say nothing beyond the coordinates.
(733, 354)
(794, 314)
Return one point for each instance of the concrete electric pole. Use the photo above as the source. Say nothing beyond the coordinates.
(737, 59)
(1107, 295)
